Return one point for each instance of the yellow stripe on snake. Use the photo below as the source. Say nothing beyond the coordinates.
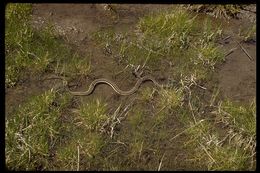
(114, 86)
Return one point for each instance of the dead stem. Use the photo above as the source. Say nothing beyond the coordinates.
(121, 70)
(230, 51)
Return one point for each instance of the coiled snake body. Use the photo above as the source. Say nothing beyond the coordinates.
(114, 86)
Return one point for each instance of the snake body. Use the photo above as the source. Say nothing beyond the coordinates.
(114, 86)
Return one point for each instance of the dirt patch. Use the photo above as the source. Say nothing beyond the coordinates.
(237, 76)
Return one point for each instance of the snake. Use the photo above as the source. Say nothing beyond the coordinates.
(114, 86)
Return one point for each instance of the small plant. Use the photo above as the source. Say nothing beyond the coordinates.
(92, 115)
(248, 34)
(171, 98)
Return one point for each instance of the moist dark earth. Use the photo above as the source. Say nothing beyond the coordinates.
(236, 77)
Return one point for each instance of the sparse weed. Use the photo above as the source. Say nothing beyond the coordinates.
(135, 149)
(219, 11)
(209, 55)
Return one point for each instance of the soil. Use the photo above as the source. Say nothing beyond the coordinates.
(236, 77)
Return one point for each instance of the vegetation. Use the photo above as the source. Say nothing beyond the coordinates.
(54, 131)
(33, 131)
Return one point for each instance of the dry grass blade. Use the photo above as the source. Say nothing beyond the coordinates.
(160, 164)
(78, 159)
(207, 153)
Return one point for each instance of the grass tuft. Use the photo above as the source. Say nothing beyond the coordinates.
(35, 52)
(92, 115)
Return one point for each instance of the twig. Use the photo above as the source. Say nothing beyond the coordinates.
(244, 50)
(226, 38)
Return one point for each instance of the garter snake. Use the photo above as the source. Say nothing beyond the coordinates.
(114, 86)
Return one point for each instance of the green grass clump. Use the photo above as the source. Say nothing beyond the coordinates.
(233, 150)
(177, 34)
(136, 119)
(167, 24)
(35, 52)
(32, 132)
(93, 115)
(228, 158)
(80, 151)
(241, 118)
(17, 15)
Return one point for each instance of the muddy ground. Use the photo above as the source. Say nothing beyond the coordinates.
(236, 77)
